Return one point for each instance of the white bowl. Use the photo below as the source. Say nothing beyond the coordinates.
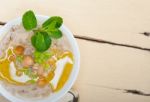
(55, 96)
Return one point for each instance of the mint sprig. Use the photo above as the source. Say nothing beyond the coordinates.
(53, 22)
(41, 40)
(29, 20)
(52, 25)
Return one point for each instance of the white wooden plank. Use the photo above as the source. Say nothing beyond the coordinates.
(119, 20)
(112, 66)
(90, 93)
(104, 64)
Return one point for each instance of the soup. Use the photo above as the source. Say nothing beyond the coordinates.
(27, 70)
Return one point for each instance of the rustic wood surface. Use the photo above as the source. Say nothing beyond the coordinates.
(108, 73)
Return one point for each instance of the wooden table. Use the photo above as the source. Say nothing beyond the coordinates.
(108, 73)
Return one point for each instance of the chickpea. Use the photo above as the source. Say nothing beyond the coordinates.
(12, 58)
(50, 75)
(19, 50)
(19, 73)
(42, 82)
(34, 71)
(51, 62)
(35, 66)
(27, 61)
(40, 71)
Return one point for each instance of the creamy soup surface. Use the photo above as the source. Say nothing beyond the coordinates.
(25, 72)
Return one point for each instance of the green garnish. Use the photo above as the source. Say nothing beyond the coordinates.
(46, 66)
(55, 33)
(31, 81)
(33, 76)
(28, 72)
(41, 57)
(19, 58)
(29, 20)
(41, 40)
(53, 22)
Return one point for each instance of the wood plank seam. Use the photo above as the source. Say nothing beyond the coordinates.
(131, 91)
(106, 42)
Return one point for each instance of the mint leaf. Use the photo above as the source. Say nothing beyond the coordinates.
(51, 27)
(55, 33)
(33, 39)
(29, 20)
(41, 41)
(53, 22)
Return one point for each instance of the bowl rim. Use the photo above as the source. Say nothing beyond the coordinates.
(57, 95)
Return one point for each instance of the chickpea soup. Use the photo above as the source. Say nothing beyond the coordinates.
(35, 60)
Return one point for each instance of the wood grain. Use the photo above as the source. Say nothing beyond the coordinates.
(104, 67)
(92, 39)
